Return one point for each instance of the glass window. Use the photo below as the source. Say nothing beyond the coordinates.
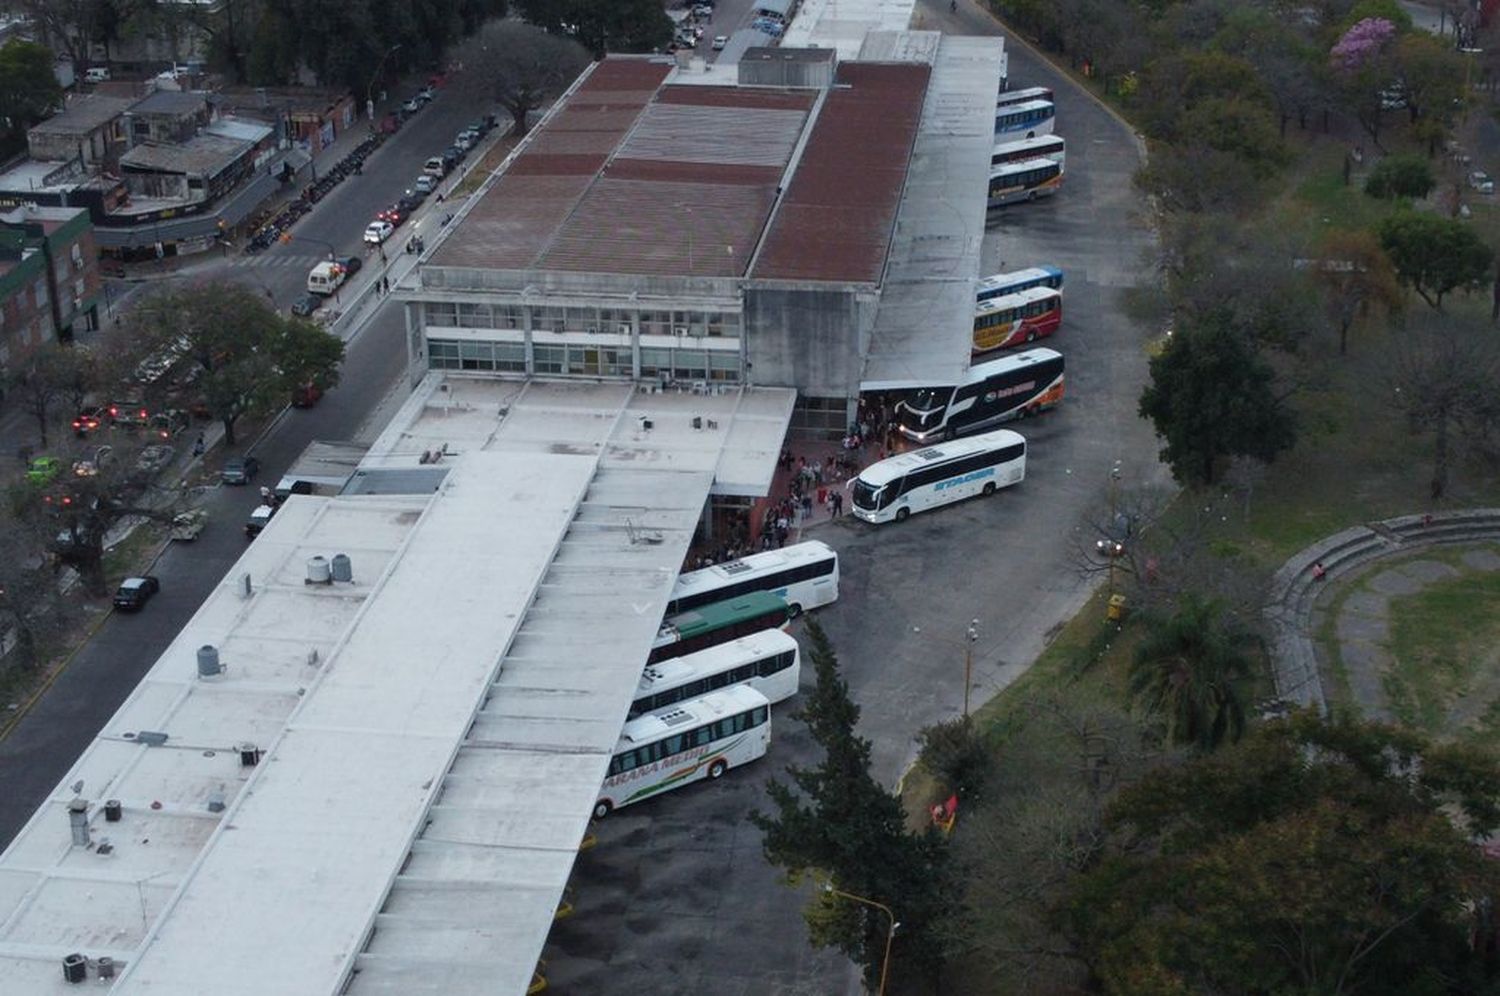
(723, 366)
(655, 362)
(509, 316)
(441, 313)
(475, 316)
(510, 356)
(549, 359)
(656, 323)
(689, 364)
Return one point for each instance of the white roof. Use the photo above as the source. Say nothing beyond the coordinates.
(435, 733)
(843, 24)
(924, 328)
(691, 582)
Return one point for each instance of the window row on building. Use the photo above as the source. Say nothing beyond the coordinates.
(585, 360)
(613, 321)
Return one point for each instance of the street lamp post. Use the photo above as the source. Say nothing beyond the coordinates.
(890, 933)
(370, 90)
(971, 637)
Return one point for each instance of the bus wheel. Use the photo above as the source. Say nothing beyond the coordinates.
(949, 434)
(989, 488)
(794, 610)
(1031, 195)
(902, 513)
(717, 769)
(1031, 335)
(602, 808)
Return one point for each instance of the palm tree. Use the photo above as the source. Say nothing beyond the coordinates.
(1188, 671)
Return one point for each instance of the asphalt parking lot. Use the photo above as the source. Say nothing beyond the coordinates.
(677, 897)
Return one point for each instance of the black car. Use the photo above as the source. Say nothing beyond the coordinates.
(135, 592)
(306, 305)
(239, 469)
(409, 202)
(89, 419)
(451, 156)
(351, 264)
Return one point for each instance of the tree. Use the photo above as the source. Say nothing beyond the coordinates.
(1211, 396)
(53, 372)
(66, 26)
(1189, 671)
(835, 820)
(1434, 256)
(520, 66)
(1443, 377)
(1363, 61)
(1355, 275)
(1400, 176)
(28, 88)
(250, 358)
(1313, 857)
(603, 26)
(1238, 127)
(32, 609)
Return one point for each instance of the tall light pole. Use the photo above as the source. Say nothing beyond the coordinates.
(370, 90)
(970, 638)
(890, 933)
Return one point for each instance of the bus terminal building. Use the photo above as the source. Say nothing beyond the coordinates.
(811, 224)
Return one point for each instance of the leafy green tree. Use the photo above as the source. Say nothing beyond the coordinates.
(1400, 176)
(1243, 129)
(1189, 671)
(1176, 83)
(1435, 256)
(835, 821)
(520, 66)
(1312, 857)
(250, 358)
(1356, 275)
(603, 26)
(28, 88)
(1211, 397)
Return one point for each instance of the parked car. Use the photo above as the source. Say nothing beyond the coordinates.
(436, 167)
(376, 232)
(408, 203)
(41, 470)
(187, 525)
(719, 42)
(412, 105)
(169, 423)
(426, 94)
(96, 74)
(452, 156)
(351, 264)
(1481, 182)
(463, 141)
(258, 520)
(129, 413)
(91, 465)
(425, 184)
(239, 469)
(88, 420)
(305, 305)
(153, 460)
(134, 593)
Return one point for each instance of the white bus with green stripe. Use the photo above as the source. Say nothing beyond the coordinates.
(687, 742)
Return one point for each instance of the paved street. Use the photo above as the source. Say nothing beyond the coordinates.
(677, 897)
(49, 739)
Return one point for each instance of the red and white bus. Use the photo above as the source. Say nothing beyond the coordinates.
(1025, 316)
(1025, 180)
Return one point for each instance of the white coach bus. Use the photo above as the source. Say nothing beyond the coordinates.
(805, 575)
(938, 475)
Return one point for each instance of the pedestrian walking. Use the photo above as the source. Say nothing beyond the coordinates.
(198, 446)
(838, 503)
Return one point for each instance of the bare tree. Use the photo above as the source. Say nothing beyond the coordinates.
(1442, 374)
(520, 66)
(32, 609)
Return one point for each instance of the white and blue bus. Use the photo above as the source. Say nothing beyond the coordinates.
(1003, 284)
(685, 743)
(1026, 119)
(1053, 147)
(805, 575)
(768, 662)
(939, 475)
(1006, 98)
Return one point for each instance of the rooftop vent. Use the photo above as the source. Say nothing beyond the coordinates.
(208, 661)
(343, 568)
(318, 571)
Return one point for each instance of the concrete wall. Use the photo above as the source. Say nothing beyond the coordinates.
(808, 337)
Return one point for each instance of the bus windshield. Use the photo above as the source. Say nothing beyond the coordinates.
(866, 496)
(930, 399)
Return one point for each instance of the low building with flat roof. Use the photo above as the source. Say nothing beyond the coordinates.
(89, 127)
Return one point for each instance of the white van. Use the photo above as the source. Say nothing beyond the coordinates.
(96, 74)
(325, 278)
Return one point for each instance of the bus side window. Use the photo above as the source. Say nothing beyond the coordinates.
(672, 745)
(703, 736)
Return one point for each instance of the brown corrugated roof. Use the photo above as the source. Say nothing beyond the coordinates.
(835, 221)
(688, 191)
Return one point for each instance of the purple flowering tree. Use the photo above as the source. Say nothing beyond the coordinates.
(1362, 43)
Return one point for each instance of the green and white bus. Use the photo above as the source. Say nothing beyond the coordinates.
(685, 743)
(718, 622)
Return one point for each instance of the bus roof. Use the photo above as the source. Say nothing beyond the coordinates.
(677, 669)
(1020, 297)
(1018, 276)
(983, 371)
(882, 473)
(1005, 110)
(693, 581)
(715, 705)
(1022, 144)
(1021, 166)
(716, 614)
(1025, 93)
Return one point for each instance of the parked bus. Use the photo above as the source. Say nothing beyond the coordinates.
(1024, 316)
(767, 661)
(1024, 181)
(709, 625)
(692, 740)
(938, 475)
(1013, 386)
(806, 575)
(1053, 147)
(1015, 281)
(1028, 118)
(1006, 98)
